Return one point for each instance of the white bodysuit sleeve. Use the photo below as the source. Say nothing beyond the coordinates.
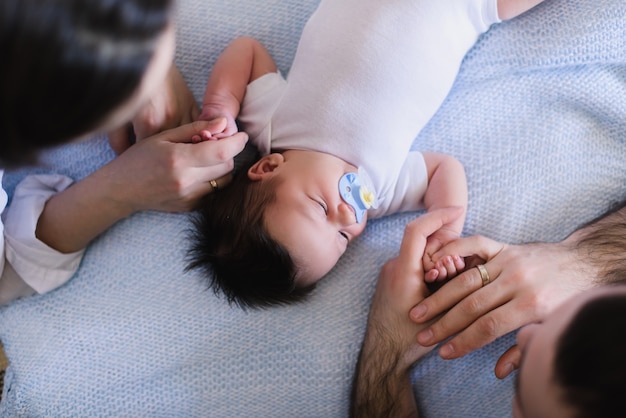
(261, 99)
(39, 266)
(408, 194)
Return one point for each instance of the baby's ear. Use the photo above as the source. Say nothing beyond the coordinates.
(265, 166)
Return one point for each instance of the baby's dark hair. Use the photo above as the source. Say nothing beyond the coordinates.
(231, 245)
(589, 359)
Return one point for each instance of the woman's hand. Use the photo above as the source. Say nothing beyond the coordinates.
(526, 283)
(212, 111)
(165, 172)
(172, 106)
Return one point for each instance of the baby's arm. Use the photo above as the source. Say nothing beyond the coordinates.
(508, 9)
(447, 186)
(243, 61)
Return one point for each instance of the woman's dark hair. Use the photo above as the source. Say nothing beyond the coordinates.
(231, 246)
(590, 367)
(67, 64)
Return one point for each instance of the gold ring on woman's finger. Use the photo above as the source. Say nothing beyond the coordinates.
(484, 276)
(213, 184)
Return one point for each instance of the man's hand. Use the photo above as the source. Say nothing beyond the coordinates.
(449, 266)
(527, 282)
(381, 385)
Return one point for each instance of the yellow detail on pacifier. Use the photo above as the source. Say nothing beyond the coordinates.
(355, 189)
(367, 197)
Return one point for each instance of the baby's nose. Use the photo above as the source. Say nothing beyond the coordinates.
(346, 214)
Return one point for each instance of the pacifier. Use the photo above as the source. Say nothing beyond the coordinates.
(356, 190)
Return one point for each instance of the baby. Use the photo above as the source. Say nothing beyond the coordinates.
(335, 140)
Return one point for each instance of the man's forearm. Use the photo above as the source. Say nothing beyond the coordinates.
(601, 245)
(381, 385)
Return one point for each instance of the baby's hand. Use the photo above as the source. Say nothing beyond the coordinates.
(210, 112)
(445, 266)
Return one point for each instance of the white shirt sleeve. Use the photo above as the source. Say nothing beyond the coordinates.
(40, 267)
(259, 103)
(409, 189)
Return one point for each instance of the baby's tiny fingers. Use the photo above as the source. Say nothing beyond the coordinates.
(459, 263)
(443, 271)
(450, 266)
(431, 275)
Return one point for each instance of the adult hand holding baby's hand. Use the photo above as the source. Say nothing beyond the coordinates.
(390, 346)
(209, 112)
(164, 172)
(444, 267)
(169, 173)
(524, 284)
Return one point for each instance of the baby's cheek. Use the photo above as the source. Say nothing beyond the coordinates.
(361, 227)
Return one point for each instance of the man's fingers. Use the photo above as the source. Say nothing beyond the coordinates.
(416, 232)
(486, 329)
(478, 245)
(476, 317)
(450, 294)
(508, 362)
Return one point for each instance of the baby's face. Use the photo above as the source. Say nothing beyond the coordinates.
(309, 217)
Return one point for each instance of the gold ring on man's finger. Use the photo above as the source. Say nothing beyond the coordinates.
(484, 276)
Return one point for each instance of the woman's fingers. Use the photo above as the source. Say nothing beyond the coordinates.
(213, 185)
(220, 151)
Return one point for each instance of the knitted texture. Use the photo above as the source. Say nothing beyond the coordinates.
(538, 118)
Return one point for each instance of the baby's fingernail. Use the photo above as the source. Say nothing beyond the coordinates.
(418, 312)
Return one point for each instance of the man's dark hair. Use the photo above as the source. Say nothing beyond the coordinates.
(590, 367)
(231, 246)
(67, 64)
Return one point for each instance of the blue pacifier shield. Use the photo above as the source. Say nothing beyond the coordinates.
(355, 194)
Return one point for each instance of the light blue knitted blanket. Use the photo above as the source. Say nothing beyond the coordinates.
(537, 116)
